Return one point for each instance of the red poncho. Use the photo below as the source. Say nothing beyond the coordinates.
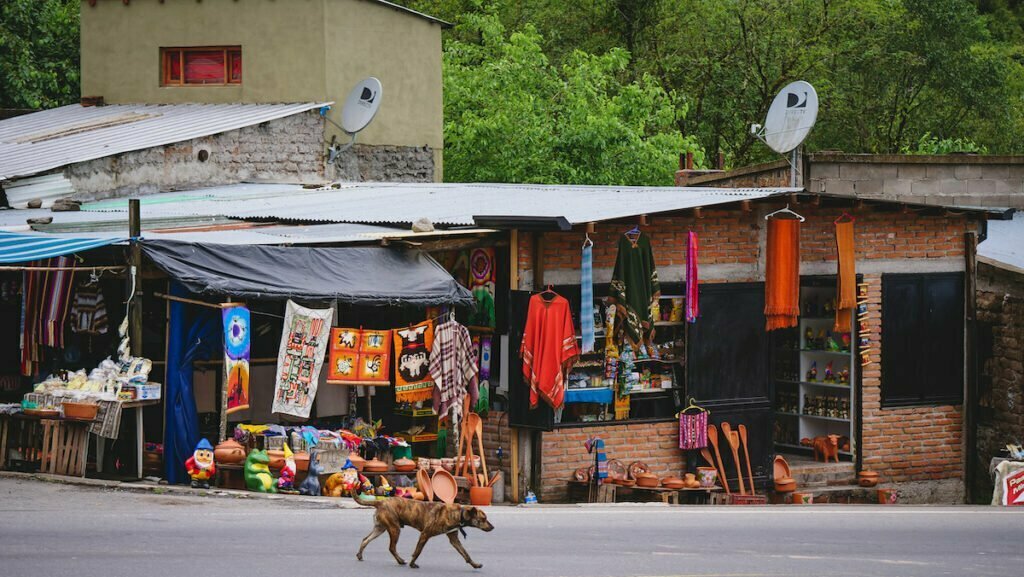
(549, 349)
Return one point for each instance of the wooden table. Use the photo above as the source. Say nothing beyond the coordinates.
(140, 441)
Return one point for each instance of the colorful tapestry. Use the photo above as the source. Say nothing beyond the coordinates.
(412, 358)
(303, 346)
(482, 276)
(359, 357)
(236, 357)
(692, 290)
(46, 298)
(587, 297)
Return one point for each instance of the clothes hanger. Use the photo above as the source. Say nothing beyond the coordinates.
(845, 214)
(587, 242)
(548, 291)
(693, 406)
(785, 211)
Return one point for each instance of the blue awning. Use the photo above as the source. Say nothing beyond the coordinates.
(15, 247)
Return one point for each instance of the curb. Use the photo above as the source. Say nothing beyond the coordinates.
(182, 490)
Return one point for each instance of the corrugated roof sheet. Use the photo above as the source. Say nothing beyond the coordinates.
(408, 10)
(34, 143)
(1004, 246)
(46, 188)
(446, 204)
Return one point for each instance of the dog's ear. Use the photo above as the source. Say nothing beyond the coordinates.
(468, 513)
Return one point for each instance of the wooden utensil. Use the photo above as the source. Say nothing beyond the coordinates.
(478, 427)
(720, 467)
(746, 453)
(733, 439)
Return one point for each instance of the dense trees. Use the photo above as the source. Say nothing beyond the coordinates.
(38, 53)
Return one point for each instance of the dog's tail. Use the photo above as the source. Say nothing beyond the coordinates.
(374, 503)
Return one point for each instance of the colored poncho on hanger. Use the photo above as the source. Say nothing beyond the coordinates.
(846, 280)
(548, 349)
(453, 366)
(412, 362)
(634, 287)
(782, 274)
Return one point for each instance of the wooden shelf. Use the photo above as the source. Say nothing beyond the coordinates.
(833, 419)
(669, 323)
(792, 446)
(826, 352)
(814, 384)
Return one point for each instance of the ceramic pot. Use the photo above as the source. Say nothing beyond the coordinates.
(230, 452)
(276, 459)
(356, 461)
(802, 498)
(480, 496)
(405, 465)
(785, 485)
(646, 480)
(887, 497)
(302, 461)
(689, 477)
(707, 476)
(375, 466)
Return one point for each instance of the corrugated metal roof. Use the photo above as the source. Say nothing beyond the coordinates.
(46, 188)
(414, 13)
(446, 204)
(50, 139)
(1004, 246)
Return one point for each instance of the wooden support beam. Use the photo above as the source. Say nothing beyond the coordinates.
(538, 260)
(643, 220)
(135, 278)
(746, 205)
(591, 227)
(698, 212)
(794, 198)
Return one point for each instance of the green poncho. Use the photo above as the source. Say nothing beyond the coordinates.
(634, 287)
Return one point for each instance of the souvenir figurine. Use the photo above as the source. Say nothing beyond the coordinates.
(809, 338)
(257, 473)
(286, 482)
(829, 377)
(812, 373)
(200, 465)
(845, 339)
(831, 343)
(311, 486)
(844, 375)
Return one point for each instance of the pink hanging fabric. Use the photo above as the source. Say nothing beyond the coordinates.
(693, 430)
(692, 307)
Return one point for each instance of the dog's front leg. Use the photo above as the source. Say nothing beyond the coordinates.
(377, 532)
(424, 537)
(454, 538)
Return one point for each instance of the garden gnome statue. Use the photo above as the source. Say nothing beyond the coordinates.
(286, 482)
(200, 465)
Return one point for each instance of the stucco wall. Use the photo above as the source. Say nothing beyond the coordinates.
(284, 150)
(292, 51)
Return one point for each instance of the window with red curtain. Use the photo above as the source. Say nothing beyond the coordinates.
(213, 65)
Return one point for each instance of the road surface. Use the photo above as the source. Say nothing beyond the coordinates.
(51, 529)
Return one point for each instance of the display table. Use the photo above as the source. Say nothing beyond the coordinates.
(139, 437)
(580, 492)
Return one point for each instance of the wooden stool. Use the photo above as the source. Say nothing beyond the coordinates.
(65, 447)
(231, 477)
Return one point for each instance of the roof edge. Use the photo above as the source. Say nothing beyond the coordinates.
(407, 10)
(864, 158)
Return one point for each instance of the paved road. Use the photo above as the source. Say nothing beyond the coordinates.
(48, 529)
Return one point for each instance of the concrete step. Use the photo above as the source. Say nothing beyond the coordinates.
(836, 494)
(810, 474)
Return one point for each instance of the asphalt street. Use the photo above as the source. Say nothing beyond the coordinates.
(51, 529)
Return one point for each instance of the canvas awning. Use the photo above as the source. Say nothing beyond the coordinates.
(354, 275)
(15, 247)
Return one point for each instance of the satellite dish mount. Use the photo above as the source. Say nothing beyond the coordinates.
(788, 122)
(359, 109)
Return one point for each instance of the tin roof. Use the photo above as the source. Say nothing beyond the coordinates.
(41, 141)
(1004, 246)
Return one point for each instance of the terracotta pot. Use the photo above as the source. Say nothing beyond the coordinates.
(356, 461)
(867, 478)
(302, 461)
(276, 459)
(689, 477)
(785, 485)
(646, 480)
(230, 452)
(480, 496)
(673, 484)
(405, 465)
(802, 498)
(375, 466)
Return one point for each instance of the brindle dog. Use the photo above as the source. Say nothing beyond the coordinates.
(431, 519)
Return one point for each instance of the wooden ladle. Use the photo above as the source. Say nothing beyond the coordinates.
(733, 439)
(720, 466)
(746, 453)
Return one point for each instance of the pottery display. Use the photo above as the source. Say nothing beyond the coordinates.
(404, 465)
(375, 466)
(646, 480)
(276, 459)
(230, 452)
(707, 476)
(356, 461)
(637, 468)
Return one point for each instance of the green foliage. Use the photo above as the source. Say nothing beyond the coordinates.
(929, 144)
(38, 53)
(513, 116)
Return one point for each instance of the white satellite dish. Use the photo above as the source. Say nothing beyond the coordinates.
(361, 105)
(790, 117)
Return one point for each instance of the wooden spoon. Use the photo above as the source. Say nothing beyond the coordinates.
(478, 427)
(734, 443)
(720, 466)
(746, 453)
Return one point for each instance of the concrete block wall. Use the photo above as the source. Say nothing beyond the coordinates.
(284, 150)
(364, 163)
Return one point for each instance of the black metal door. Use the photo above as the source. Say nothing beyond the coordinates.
(728, 369)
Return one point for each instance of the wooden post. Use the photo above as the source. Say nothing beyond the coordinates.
(135, 278)
(970, 444)
(513, 259)
(538, 261)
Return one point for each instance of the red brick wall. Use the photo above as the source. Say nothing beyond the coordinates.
(907, 444)
(562, 452)
(498, 434)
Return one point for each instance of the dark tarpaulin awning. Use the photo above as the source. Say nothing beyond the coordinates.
(353, 275)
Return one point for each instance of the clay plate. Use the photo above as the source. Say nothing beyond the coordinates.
(423, 480)
(616, 470)
(444, 486)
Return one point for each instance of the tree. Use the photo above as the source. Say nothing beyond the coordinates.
(513, 116)
(38, 53)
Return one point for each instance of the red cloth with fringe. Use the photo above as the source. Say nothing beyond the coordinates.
(782, 274)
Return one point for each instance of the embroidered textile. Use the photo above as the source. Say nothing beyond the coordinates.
(692, 290)
(412, 362)
(301, 356)
(634, 288)
(453, 365)
(693, 430)
(360, 357)
(482, 277)
(548, 349)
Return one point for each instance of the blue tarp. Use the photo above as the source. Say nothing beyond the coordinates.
(603, 395)
(16, 247)
(194, 334)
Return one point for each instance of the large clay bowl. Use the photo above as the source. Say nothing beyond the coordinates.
(423, 480)
(646, 480)
(444, 486)
(230, 452)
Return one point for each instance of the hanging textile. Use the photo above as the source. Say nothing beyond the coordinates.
(482, 276)
(301, 356)
(693, 430)
(412, 360)
(782, 274)
(236, 357)
(88, 310)
(634, 288)
(359, 357)
(548, 348)
(587, 297)
(46, 298)
(454, 370)
(692, 292)
(846, 278)
(595, 445)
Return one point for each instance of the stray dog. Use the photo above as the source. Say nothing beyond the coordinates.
(430, 519)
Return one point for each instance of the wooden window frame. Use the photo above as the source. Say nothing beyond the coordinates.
(166, 81)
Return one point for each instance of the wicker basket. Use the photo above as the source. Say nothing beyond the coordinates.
(80, 411)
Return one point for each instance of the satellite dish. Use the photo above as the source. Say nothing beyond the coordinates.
(790, 117)
(362, 104)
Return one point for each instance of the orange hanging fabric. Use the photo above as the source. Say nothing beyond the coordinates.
(846, 280)
(782, 274)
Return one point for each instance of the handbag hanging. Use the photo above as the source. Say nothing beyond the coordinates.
(693, 427)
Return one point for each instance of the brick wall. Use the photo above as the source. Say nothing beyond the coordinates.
(562, 452)
(904, 444)
(498, 434)
(1001, 384)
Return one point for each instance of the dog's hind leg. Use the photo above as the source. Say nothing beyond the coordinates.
(377, 532)
(454, 538)
(424, 537)
(393, 532)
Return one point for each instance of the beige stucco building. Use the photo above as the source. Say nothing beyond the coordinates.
(288, 51)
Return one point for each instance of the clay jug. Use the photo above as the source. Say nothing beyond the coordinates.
(230, 452)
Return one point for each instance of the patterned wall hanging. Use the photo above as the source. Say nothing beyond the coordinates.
(301, 356)
(412, 358)
(236, 357)
(359, 357)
